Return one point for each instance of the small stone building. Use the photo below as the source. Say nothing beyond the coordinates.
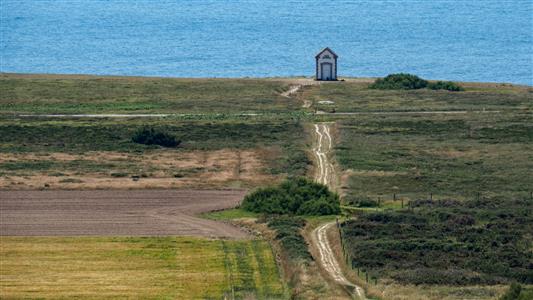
(326, 65)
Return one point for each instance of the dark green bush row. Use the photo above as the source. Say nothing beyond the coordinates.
(485, 241)
(288, 234)
(402, 81)
(151, 136)
(445, 85)
(296, 196)
(360, 201)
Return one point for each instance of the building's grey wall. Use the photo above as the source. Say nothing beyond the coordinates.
(323, 58)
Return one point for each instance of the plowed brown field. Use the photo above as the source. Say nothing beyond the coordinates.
(117, 213)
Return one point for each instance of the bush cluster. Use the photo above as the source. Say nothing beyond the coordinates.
(400, 81)
(151, 136)
(288, 234)
(296, 196)
(403, 81)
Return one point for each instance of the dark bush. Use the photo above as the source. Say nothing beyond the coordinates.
(320, 207)
(151, 136)
(445, 85)
(399, 81)
(297, 196)
(404, 81)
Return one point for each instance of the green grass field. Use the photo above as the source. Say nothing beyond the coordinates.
(457, 156)
(46, 94)
(147, 268)
(357, 97)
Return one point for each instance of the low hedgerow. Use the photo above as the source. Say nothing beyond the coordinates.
(361, 201)
(298, 196)
(445, 85)
(151, 136)
(288, 234)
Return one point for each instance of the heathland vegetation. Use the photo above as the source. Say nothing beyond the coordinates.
(485, 241)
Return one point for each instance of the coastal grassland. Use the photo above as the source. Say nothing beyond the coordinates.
(148, 268)
(92, 153)
(450, 156)
(71, 94)
(356, 96)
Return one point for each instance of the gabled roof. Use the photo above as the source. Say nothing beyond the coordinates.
(324, 50)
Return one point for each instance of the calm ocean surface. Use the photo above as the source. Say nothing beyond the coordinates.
(483, 40)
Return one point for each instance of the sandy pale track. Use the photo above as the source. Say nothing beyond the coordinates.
(325, 174)
(116, 212)
(325, 171)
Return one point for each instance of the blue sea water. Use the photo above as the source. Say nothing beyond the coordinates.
(469, 40)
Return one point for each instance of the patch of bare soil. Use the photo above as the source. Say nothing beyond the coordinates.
(116, 213)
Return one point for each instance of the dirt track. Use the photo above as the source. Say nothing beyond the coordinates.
(325, 174)
(108, 212)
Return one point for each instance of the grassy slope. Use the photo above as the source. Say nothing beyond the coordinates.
(148, 268)
(44, 94)
(356, 97)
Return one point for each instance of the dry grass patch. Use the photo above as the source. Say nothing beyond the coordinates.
(154, 169)
(147, 268)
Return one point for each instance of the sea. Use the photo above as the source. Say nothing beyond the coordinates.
(462, 40)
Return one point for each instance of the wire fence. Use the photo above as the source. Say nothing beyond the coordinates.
(368, 202)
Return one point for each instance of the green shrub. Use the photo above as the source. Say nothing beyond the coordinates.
(445, 85)
(151, 136)
(399, 81)
(404, 81)
(298, 196)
